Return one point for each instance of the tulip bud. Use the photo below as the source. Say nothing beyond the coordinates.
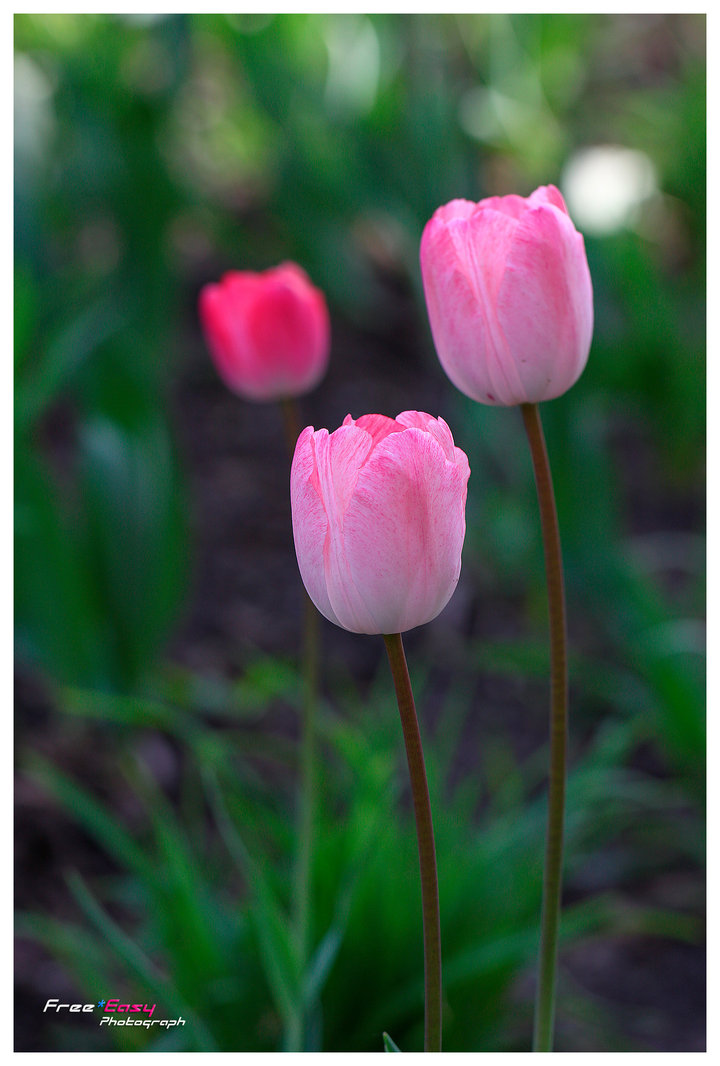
(378, 511)
(268, 333)
(509, 296)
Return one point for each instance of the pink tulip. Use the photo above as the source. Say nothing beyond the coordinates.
(509, 296)
(268, 333)
(378, 510)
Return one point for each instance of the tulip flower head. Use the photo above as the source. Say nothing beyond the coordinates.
(268, 333)
(509, 296)
(378, 511)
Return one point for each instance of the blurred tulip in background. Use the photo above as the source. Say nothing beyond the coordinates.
(268, 333)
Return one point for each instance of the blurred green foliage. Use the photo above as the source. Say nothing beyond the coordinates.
(231, 970)
(153, 152)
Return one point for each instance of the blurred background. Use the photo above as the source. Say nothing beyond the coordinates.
(159, 610)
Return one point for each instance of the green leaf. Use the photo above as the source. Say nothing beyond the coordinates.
(89, 957)
(186, 901)
(62, 358)
(136, 533)
(136, 711)
(389, 1043)
(57, 621)
(105, 829)
(139, 964)
(25, 308)
(271, 924)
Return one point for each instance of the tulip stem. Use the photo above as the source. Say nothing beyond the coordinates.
(302, 878)
(307, 784)
(552, 881)
(426, 841)
(291, 423)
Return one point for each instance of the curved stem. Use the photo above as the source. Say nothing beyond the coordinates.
(552, 883)
(426, 842)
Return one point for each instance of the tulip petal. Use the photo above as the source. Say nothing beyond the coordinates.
(545, 304)
(469, 342)
(222, 310)
(339, 458)
(548, 194)
(268, 333)
(509, 296)
(460, 334)
(310, 522)
(403, 533)
(455, 209)
(378, 426)
(512, 205)
(438, 427)
(282, 330)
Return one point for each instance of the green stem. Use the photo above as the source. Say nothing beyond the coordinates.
(552, 882)
(302, 880)
(307, 784)
(426, 842)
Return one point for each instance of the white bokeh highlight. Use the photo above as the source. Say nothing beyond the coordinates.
(604, 187)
